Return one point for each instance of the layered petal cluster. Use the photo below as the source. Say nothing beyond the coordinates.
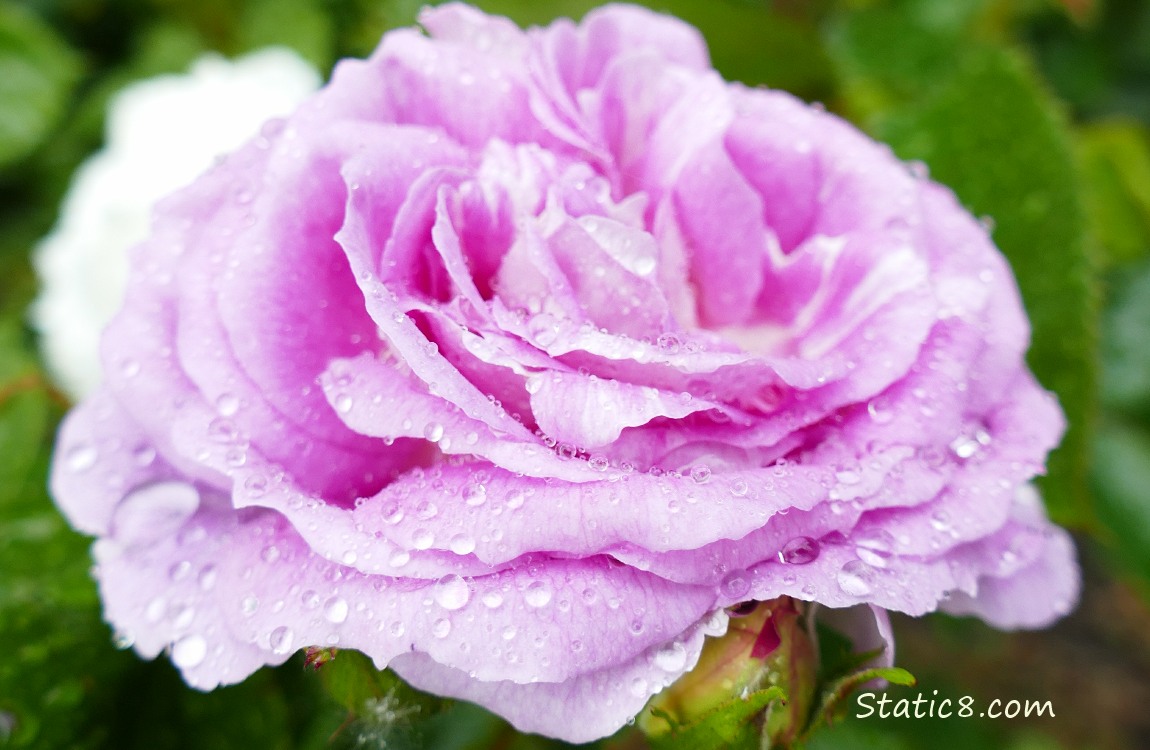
(512, 358)
(162, 133)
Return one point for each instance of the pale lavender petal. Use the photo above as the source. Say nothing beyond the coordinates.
(592, 705)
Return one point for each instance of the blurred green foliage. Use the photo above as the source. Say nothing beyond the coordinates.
(1037, 117)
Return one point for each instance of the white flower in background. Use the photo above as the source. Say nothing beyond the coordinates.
(161, 134)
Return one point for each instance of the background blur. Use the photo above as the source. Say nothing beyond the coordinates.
(1036, 112)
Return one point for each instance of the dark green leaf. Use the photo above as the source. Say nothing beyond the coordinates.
(300, 24)
(1116, 167)
(731, 725)
(37, 72)
(1122, 476)
(992, 134)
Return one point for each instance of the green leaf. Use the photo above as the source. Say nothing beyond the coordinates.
(1115, 156)
(749, 41)
(1121, 476)
(37, 74)
(1126, 346)
(888, 53)
(57, 661)
(731, 725)
(835, 693)
(302, 25)
(992, 134)
(930, 79)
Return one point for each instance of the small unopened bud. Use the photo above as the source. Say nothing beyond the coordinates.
(315, 657)
(767, 644)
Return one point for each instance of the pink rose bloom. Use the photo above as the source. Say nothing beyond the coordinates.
(512, 358)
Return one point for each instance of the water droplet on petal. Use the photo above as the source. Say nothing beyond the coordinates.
(492, 600)
(422, 539)
(515, 499)
(207, 577)
(847, 477)
(189, 651)
(452, 592)
(441, 628)
(81, 458)
(462, 544)
(538, 594)
(879, 411)
(180, 571)
(154, 511)
(940, 521)
(671, 658)
(227, 405)
(281, 639)
(433, 432)
(474, 494)
(335, 610)
(799, 551)
(736, 584)
(854, 578)
(638, 687)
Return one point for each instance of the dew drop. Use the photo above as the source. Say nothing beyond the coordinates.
(739, 488)
(433, 432)
(335, 610)
(189, 651)
(441, 628)
(343, 403)
(422, 539)
(179, 571)
(736, 585)
(848, 477)
(854, 578)
(538, 594)
(462, 544)
(515, 499)
(638, 687)
(227, 405)
(249, 605)
(879, 411)
(207, 577)
(671, 658)
(399, 558)
(281, 639)
(156, 609)
(81, 458)
(451, 592)
(492, 600)
(474, 494)
(155, 511)
(799, 551)
(256, 485)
